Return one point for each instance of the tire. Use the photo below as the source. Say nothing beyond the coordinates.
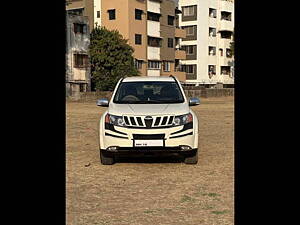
(105, 159)
(191, 159)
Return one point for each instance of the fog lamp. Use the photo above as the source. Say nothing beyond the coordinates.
(112, 148)
(185, 147)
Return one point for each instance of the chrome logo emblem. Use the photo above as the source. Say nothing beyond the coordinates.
(148, 118)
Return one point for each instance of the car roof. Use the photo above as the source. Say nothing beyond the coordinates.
(148, 78)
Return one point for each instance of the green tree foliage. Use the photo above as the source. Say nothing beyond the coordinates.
(111, 58)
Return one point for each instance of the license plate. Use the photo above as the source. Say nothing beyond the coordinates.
(148, 143)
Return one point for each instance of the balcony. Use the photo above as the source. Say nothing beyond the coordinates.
(180, 54)
(153, 53)
(225, 61)
(225, 43)
(227, 5)
(153, 6)
(179, 73)
(226, 25)
(180, 33)
(153, 28)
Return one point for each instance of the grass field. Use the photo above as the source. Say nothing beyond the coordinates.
(151, 190)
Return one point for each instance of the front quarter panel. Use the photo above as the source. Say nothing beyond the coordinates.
(196, 128)
(101, 130)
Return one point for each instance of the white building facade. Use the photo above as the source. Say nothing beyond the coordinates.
(209, 25)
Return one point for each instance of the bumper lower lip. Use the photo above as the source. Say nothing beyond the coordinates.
(148, 149)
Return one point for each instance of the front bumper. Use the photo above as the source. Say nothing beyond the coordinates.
(173, 138)
(149, 150)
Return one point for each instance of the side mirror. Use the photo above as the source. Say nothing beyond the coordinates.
(194, 101)
(102, 102)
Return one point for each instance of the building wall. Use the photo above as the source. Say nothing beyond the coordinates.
(88, 11)
(97, 7)
(74, 4)
(167, 7)
(138, 27)
(121, 23)
(76, 43)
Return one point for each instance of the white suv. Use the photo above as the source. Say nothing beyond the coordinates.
(148, 115)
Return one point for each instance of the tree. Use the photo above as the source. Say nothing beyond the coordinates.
(111, 58)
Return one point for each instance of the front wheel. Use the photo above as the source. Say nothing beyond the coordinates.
(191, 159)
(106, 159)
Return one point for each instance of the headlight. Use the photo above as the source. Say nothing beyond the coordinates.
(183, 119)
(115, 120)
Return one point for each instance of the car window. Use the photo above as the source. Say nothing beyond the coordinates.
(148, 92)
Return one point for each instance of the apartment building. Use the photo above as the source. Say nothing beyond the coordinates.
(77, 59)
(209, 26)
(151, 27)
(82, 8)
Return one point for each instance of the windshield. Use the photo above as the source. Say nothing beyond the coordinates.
(148, 93)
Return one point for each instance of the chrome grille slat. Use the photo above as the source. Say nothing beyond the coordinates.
(170, 121)
(132, 120)
(157, 121)
(164, 121)
(126, 120)
(139, 120)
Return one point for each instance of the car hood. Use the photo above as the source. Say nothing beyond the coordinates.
(148, 109)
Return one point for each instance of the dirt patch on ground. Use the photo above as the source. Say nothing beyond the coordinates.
(151, 190)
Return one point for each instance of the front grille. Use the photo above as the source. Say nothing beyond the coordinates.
(148, 121)
(148, 136)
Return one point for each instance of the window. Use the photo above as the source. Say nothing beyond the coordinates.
(188, 68)
(211, 50)
(80, 28)
(228, 53)
(170, 43)
(82, 87)
(211, 70)
(80, 60)
(138, 64)
(154, 65)
(221, 51)
(189, 49)
(112, 14)
(226, 34)
(212, 13)
(78, 12)
(154, 42)
(167, 66)
(212, 32)
(171, 20)
(145, 92)
(188, 11)
(189, 30)
(225, 16)
(138, 39)
(153, 16)
(98, 14)
(225, 70)
(138, 14)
